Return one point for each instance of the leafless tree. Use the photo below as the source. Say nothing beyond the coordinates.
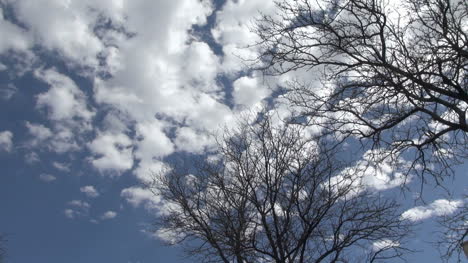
(270, 194)
(394, 76)
(454, 233)
(2, 248)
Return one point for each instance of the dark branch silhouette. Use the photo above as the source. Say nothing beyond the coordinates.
(272, 195)
(395, 77)
(2, 248)
(454, 233)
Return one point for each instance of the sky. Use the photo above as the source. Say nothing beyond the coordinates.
(98, 94)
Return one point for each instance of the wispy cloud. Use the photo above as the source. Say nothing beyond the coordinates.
(47, 178)
(90, 191)
(6, 141)
(108, 215)
(437, 208)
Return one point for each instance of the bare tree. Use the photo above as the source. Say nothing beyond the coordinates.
(272, 195)
(2, 248)
(395, 76)
(454, 233)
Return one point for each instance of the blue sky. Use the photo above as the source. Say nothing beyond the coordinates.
(95, 95)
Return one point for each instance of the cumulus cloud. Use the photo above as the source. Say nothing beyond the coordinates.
(113, 152)
(248, 91)
(13, 37)
(190, 140)
(108, 215)
(6, 141)
(153, 141)
(77, 208)
(39, 132)
(79, 204)
(63, 27)
(61, 140)
(70, 213)
(158, 86)
(137, 196)
(90, 191)
(437, 208)
(66, 106)
(64, 101)
(202, 65)
(233, 31)
(47, 177)
(366, 174)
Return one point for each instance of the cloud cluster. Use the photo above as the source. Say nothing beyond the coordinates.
(112, 152)
(6, 141)
(157, 87)
(437, 208)
(77, 208)
(65, 105)
(108, 215)
(89, 191)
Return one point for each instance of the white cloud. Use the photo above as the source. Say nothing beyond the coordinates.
(162, 93)
(147, 168)
(233, 31)
(3, 67)
(202, 65)
(13, 37)
(368, 175)
(248, 91)
(61, 166)
(192, 141)
(31, 158)
(61, 140)
(166, 72)
(90, 191)
(384, 244)
(64, 101)
(137, 196)
(47, 178)
(108, 215)
(66, 106)
(39, 132)
(80, 204)
(6, 141)
(63, 27)
(79, 209)
(6, 92)
(113, 152)
(437, 208)
(153, 141)
(70, 213)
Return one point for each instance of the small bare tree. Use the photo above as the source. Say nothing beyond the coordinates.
(454, 233)
(273, 195)
(395, 76)
(2, 248)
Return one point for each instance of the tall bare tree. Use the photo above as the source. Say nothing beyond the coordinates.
(392, 73)
(272, 195)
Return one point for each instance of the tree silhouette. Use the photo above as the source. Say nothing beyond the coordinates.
(395, 76)
(273, 195)
(392, 74)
